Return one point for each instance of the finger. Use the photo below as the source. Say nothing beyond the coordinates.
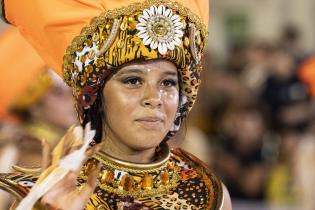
(48, 206)
(70, 180)
(91, 151)
(45, 154)
(90, 185)
(64, 186)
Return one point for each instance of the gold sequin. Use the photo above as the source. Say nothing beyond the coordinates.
(83, 58)
(89, 69)
(80, 48)
(88, 43)
(198, 39)
(186, 42)
(91, 55)
(108, 26)
(131, 19)
(96, 37)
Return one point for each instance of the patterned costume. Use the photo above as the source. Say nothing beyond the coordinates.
(113, 34)
(180, 181)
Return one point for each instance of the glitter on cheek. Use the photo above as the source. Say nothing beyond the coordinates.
(169, 95)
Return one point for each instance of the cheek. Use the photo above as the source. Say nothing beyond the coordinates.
(171, 100)
(119, 106)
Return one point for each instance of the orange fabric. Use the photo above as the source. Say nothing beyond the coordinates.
(307, 74)
(50, 25)
(19, 65)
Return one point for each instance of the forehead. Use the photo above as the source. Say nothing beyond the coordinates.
(162, 65)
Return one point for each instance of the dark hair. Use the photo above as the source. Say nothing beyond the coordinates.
(96, 116)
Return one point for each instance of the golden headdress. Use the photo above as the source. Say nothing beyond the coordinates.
(89, 39)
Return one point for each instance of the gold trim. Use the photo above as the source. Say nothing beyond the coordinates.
(9, 186)
(141, 193)
(110, 39)
(35, 171)
(138, 172)
(135, 167)
(116, 13)
(144, 193)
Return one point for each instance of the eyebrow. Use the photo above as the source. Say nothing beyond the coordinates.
(127, 71)
(139, 71)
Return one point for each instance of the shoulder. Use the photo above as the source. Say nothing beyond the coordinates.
(193, 170)
(17, 184)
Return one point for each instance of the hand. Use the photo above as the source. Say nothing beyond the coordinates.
(66, 194)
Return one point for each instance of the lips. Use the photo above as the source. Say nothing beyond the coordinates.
(151, 123)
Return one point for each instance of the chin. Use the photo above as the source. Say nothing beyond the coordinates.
(146, 143)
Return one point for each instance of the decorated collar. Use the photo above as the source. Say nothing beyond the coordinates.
(132, 179)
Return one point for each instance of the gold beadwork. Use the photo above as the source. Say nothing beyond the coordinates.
(131, 19)
(107, 176)
(89, 69)
(198, 39)
(142, 180)
(170, 165)
(127, 182)
(88, 42)
(164, 177)
(132, 23)
(91, 55)
(80, 48)
(186, 42)
(147, 182)
(96, 37)
(108, 26)
(83, 58)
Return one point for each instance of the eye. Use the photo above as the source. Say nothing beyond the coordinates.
(133, 81)
(169, 83)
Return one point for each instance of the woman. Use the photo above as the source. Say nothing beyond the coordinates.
(135, 74)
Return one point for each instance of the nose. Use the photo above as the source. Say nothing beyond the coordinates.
(152, 97)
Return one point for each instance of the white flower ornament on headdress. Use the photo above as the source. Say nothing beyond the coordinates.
(160, 28)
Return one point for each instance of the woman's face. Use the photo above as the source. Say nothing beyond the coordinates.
(141, 101)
